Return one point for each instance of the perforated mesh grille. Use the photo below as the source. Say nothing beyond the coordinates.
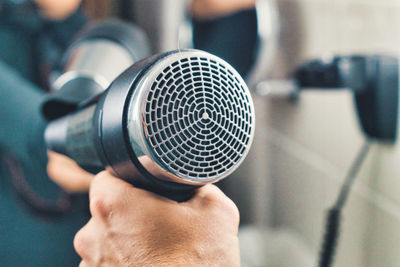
(198, 118)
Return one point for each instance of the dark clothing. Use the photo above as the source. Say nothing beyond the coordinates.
(29, 46)
(234, 38)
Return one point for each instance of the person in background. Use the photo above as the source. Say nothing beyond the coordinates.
(37, 219)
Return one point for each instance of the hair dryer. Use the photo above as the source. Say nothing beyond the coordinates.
(169, 124)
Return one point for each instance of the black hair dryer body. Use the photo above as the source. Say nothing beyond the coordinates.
(169, 123)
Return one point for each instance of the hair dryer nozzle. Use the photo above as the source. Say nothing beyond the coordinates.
(169, 123)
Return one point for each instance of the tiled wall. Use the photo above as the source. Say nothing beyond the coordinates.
(312, 143)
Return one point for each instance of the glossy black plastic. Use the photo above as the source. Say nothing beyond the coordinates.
(374, 80)
(112, 137)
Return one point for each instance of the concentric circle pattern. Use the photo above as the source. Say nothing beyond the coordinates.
(199, 118)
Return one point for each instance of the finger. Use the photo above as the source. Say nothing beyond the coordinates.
(66, 173)
(210, 197)
(109, 194)
(207, 194)
(86, 241)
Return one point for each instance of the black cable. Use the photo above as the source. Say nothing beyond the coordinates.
(333, 218)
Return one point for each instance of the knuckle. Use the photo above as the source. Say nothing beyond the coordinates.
(102, 174)
(81, 244)
(233, 211)
(101, 207)
(210, 193)
(224, 203)
(97, 181)
(214, 197)
(105, 196)
(227, 214)
(221, 204)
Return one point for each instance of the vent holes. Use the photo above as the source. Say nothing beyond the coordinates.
(198, 117)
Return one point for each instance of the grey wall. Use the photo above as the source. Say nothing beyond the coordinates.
(311, 144)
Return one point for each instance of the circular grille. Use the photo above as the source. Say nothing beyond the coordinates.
(198, 118)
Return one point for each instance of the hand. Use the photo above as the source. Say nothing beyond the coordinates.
(133, 227)
(57, 9)
(67, 174)
(207, 9)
